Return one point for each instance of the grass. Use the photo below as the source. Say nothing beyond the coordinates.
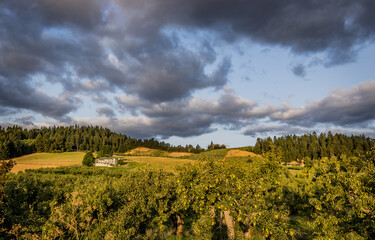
(142, 151)
(48, 160)
(248, 148)
(128, 166)
(210, 155)
(241, 158)
(154, 162)
(39, 160)
(168, 164)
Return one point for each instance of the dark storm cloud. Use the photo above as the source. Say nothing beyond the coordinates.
(143, 127)
(341, 107)
(368, 132)
(299, 70)
(5, 111)
(26, 120)
(167, 127)
(174, 76)
(25, 97)
(261, 130)
(341, 112)
(81, 13)
(92, 46)
(334, 27)
(193, 116)
(105, 111)
(88, 46)
(29, 47)
(282, 130)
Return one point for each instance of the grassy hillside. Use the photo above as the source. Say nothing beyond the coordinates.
(158, 163)
(223, 154)
(137, 158)
(211, 155)
(142, 151)
(39, 160)
(52, 160)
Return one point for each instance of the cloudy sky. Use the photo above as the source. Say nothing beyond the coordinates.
(190, 71)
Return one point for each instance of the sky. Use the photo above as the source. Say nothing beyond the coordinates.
(190, 72)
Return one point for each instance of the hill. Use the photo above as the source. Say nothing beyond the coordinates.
(235, 153)
(223, 154)
(210, 155)
(43, 160)
(141, 157)
(143, 151)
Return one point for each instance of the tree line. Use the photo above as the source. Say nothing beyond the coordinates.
(314, 146)
(16, 141)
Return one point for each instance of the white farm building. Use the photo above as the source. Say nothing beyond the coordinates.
(105, 162)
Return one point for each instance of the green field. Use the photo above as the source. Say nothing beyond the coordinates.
(167, 164)
(42, 160)
(210, 155)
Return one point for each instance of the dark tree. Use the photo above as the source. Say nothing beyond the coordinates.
(16, 141)
(5, 167)
(310, 146)
(106, 151)
(88, 159)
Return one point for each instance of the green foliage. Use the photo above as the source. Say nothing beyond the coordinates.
(257, 198)
(15, 141)
(4, 150)
(313, 146)
(88, 159)
(121, 162)
(213, 146)
(210, 155)
(105, 151)
(114, 172)
(5, 168)
(337, 194)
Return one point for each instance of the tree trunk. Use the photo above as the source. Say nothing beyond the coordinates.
(230, 224)
(249, 231)
(179, 226)
(221, 219)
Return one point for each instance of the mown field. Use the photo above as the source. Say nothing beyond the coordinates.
(43, 160)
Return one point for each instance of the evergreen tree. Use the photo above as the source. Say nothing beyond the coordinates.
(88, 159)
(5, 167)
(39, 145)
(314, 147)
(106, 151)
(4, 150)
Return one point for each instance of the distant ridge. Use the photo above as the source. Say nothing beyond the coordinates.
(143, 151)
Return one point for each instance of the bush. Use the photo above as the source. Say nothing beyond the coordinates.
(88, 159)
(121, 162)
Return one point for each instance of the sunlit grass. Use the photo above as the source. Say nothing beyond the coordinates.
(43, 160)
(211, 155)
(39, 160)
(156, 163)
